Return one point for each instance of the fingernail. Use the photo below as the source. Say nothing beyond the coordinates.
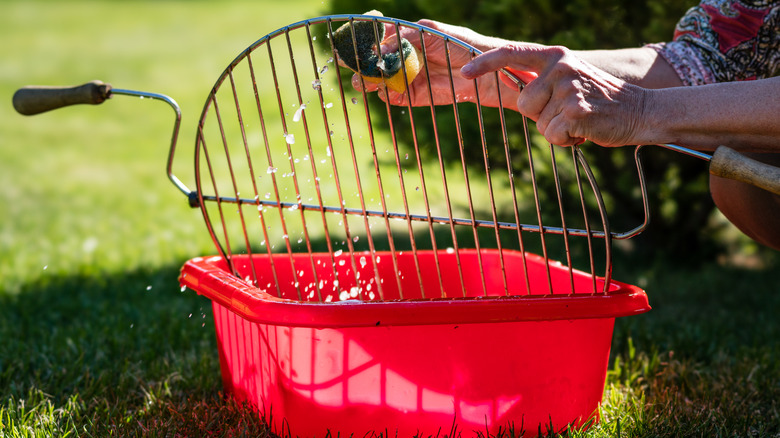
(467, 69)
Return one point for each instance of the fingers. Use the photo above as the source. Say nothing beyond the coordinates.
(359, 84)
(558, 130)
(385, 94)
(526, 57)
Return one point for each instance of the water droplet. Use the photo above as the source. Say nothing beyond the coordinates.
(355, 239)
(407, 156)
(324, 68)
(327, 151)
(354, 100)
(337, 253)
(328, 105)
(354, 291)
(417, 189)
(298, 113)
(344, 295)
(290, 138)
(316, 84)
(271, 170)
(450, 250)
(46, 267)
(149, 287)
(363, 262)
(330, 60)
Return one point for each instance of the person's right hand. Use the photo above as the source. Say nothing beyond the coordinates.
(444, 78)
(571, 100)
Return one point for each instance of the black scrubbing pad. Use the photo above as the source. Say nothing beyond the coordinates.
(367, 62)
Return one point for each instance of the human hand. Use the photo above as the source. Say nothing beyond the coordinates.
(571, 100)
(446, 83)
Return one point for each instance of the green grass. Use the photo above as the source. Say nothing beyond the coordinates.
(96, 339)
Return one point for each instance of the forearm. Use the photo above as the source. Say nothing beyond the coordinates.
(641, 66)
(742, 115)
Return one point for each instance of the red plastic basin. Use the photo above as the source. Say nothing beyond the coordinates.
(412, 365)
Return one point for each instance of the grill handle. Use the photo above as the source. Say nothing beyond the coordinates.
(36, 99)
(728, 163)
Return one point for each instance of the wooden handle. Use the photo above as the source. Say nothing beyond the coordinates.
(728, 163)
(35, 99)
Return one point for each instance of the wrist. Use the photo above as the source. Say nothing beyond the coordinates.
(654, 118)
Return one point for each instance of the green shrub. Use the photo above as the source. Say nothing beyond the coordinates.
(680, 203)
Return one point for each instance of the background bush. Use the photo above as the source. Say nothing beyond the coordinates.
(681, 209)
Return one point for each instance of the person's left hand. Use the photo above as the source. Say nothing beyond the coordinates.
(570, 100)
(441, 69)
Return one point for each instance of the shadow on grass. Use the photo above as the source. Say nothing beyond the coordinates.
(101, 350)
(129, 352)
(707, 357)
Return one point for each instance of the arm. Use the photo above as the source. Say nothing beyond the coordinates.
(574, 99)
(641, 66)
(742, 115)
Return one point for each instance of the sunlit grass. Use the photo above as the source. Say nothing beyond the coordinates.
(97, 339)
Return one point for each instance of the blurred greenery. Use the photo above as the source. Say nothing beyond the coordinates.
(684, 221)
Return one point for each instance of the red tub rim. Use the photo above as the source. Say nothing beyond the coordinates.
(209, 277)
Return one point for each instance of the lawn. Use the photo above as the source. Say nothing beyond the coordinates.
(97, 339)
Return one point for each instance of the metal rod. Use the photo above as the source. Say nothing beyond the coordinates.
(604, 221)
(369, 125)
(272, 172)
(575, 150)
(421, 174)
(174, 137)
(489, 181)
(235, 186)
(478, 223)
(559, 194)
(441, 165)
(259, 207)
(334, 166)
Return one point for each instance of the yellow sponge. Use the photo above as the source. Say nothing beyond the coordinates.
(362, 55)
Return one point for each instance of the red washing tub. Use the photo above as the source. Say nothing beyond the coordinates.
(409, 366)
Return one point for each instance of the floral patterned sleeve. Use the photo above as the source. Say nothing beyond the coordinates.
(726, 40)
